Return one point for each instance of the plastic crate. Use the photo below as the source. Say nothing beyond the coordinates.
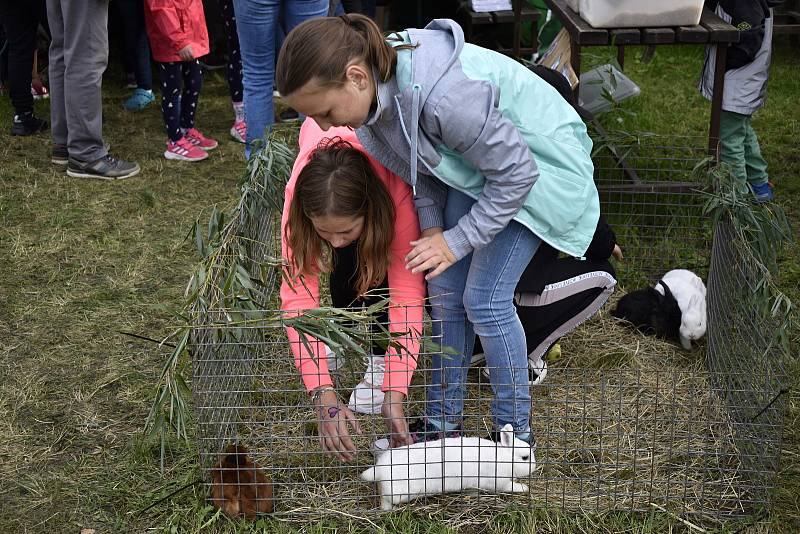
(600, 83)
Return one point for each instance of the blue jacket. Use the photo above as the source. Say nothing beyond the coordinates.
(485, 125)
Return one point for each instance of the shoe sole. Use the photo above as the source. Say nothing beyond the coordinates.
(178, 157)
(59, 161)
(78, 174)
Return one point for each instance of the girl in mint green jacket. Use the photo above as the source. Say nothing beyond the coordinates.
(498, 162)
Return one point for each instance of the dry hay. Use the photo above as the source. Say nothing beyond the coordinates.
(622, 421)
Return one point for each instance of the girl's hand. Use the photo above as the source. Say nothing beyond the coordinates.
(395, 418)
(332, 420)
(186, 53)
(430, 253)
(617, 253)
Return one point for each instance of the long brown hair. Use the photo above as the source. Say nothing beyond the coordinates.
(321, 48)
(339, 181)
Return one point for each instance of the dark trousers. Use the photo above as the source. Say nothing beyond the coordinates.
(234, 66)
(181, 82)
(575, 290)
(137, 48)
(20, 20)
(343, 291)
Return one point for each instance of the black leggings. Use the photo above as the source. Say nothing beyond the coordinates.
(574, 291)
(179, 106)
(343, 291)
(21, 22)
(234, 55)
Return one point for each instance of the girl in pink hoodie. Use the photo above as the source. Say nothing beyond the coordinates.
(349, 216)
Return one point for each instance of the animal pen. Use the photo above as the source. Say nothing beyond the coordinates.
(622, 422)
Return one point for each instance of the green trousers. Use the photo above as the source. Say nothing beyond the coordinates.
(739, 149)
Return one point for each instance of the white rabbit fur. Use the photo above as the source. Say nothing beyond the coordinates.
(405, 473)
(690, 292)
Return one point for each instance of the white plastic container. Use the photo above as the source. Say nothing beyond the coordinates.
(640, 13)
(602, 83)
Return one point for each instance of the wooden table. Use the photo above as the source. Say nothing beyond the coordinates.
(711, 30)
(520, 12)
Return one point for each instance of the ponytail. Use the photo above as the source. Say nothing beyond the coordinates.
(321, 49)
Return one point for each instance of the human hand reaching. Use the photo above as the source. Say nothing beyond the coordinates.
(617, 253)
(395, 419)
(333, 419)
(430, 253)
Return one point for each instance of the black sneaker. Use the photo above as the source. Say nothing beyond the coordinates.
(420, 431)
(59, 155)
(494, 435)
(106, 168)
(288, 115)
(27, 124)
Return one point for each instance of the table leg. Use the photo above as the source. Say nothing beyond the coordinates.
(716, 100)
(575, 62)
(621, 56)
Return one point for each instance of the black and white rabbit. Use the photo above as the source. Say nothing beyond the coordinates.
(651, 312)
(690, 292)
(449, 465)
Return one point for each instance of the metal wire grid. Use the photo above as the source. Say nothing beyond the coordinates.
(626, 433)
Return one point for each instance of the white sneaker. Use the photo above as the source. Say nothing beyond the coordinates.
(367, 396)
(537, 371)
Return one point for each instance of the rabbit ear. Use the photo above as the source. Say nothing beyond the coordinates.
(507, 435)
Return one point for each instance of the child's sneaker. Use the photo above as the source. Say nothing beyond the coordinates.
(199, 140)
(367, 397)
(763, 192)
(537, 370)
(239, 131)
(27, 124)
(184, 150)
(494, 435)
(39, 91)
(140, 99)
(420, 430)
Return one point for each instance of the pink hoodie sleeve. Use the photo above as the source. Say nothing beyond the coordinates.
(406, 290)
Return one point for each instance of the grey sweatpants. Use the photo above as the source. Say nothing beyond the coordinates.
(78, 58)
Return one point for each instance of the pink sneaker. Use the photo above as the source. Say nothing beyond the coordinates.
(184, 150)
(38, 90)
(239, 131)
(199, 140)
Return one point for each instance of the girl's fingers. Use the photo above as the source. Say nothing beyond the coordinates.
(349, 416)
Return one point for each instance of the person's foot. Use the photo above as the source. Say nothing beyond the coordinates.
(763, 192)
(38, 90)
(140, 99)
(367, 397)
(494, 435)
(184, 150)
(59, 155)
(27, 124)
(288, 115)
(106, 168)
(199, 140)
(130, 81)
(239, 131)
(421, 430)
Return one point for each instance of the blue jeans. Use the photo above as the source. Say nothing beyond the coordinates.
(257, 23)
(476, 296)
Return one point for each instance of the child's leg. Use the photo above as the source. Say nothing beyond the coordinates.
(170, 74)
(192, 83)
(732, 132)
(234, 56)
(494, 273)
(445, 393)
(754, 161)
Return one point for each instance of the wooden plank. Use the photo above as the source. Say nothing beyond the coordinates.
(691, 34)
(503, 17)
(579, 30)
(658, 35)
(625, 36)
(719, 31)
(478, 19)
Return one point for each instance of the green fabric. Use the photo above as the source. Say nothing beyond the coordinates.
(562, 208)
(739, 149)
(546, 30)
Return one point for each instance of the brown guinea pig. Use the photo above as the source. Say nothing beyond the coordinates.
(239, 487)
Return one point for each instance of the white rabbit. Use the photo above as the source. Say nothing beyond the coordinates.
(451, 465)
(690, 292)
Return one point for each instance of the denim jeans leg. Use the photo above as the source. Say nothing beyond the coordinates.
(445, 393)
(494, 273)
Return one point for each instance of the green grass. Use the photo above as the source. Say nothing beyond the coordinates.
(83, 260)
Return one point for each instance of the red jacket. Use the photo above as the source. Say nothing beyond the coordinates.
(173, 24)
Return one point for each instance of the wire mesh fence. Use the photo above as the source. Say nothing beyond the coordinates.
(622, 421)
